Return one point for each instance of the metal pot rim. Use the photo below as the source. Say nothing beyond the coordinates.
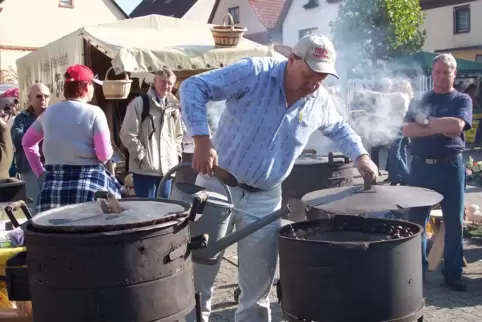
(326, 242)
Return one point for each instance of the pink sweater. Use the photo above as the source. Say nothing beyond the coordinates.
(73, 133)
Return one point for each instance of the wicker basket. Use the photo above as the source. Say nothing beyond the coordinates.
(227, 35)
(116, 89)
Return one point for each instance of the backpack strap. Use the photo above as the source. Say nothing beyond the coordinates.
(146, 106)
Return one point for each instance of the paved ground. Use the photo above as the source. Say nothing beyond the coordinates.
(442, 305)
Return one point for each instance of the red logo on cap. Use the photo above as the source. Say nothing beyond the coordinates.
(320, 53)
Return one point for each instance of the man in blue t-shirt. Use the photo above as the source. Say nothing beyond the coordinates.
(438, 140)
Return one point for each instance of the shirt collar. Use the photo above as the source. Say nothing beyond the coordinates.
(278, 72)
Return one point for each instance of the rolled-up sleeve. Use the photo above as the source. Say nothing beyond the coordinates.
(217, 85)
(337, 129)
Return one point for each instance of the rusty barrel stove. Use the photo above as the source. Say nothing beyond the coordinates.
(134, 266)
(344, 267)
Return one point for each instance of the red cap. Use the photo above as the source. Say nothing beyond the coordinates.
(80, 73)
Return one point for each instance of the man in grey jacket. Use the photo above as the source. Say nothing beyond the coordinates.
(38, 97)
(154, 143)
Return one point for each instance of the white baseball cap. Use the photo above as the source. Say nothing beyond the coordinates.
(318, 52)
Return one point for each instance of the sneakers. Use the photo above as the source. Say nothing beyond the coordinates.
(456, 284)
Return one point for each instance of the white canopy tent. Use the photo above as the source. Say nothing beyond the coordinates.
(138, 46)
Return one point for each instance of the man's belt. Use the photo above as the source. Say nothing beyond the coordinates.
(438, 161)
(249, 188)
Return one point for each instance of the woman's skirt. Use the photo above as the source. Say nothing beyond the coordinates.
(73, 184)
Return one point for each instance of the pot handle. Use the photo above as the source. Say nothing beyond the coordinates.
(198, 242)
(169, 173)
(350, 246)
(198, 204)
(332, 156)
(310, 152)
(197, 207)
(9, 210)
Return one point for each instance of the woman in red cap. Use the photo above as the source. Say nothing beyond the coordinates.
(76, 145)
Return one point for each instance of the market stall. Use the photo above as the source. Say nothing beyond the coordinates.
(131, 50)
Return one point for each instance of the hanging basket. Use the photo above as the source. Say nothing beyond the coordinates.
(227, 35)
(116, 89)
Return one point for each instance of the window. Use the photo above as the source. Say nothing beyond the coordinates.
(462, 19)
(478, 58)
(234, 12)
(309, 31)
(66, 3)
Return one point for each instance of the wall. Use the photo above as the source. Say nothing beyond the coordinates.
(299, 18)
(470, 54)
(440, 32)
(60, 22)
(200, 11)
(247, 17)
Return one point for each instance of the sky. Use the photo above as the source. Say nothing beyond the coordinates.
(128, 5)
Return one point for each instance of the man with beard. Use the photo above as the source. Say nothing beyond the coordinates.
(38, 97)
(437, 144)
(272, 108)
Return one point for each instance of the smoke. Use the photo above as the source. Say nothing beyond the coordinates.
(376, 117)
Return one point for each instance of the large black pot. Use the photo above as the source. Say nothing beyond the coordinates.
(350, 273)
(313, 172)
(129, 267)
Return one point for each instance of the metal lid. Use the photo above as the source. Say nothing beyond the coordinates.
(357, 200)
(88, 217)
(305, 159)
(218, 199)
(309, 156)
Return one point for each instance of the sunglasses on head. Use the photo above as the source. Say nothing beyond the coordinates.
(40, 96)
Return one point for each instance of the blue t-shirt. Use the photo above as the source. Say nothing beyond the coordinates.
(453, 104)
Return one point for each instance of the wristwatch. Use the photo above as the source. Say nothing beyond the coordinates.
(426, 122)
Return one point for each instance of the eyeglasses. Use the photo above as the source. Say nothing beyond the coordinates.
(40, 96)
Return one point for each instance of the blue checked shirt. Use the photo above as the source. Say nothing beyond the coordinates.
(259, 138)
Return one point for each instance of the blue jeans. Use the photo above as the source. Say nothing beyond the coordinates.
(146, 186)
(447, 179)
(397, 161)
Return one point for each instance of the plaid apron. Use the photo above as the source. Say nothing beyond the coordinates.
(73, 184)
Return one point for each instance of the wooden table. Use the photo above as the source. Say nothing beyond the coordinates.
(437, 228)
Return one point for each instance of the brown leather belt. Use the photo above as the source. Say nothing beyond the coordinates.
(437, 161)
(249, 188)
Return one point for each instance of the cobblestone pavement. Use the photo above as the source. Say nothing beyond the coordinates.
(442, 305)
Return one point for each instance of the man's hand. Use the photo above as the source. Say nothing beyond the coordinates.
(205, 157)
(367, 168)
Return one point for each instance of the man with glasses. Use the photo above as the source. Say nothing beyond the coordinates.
(38, 97)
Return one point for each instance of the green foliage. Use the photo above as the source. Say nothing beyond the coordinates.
(378, 29)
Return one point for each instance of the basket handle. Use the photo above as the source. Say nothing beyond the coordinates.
(230, 20)
(107, 74)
